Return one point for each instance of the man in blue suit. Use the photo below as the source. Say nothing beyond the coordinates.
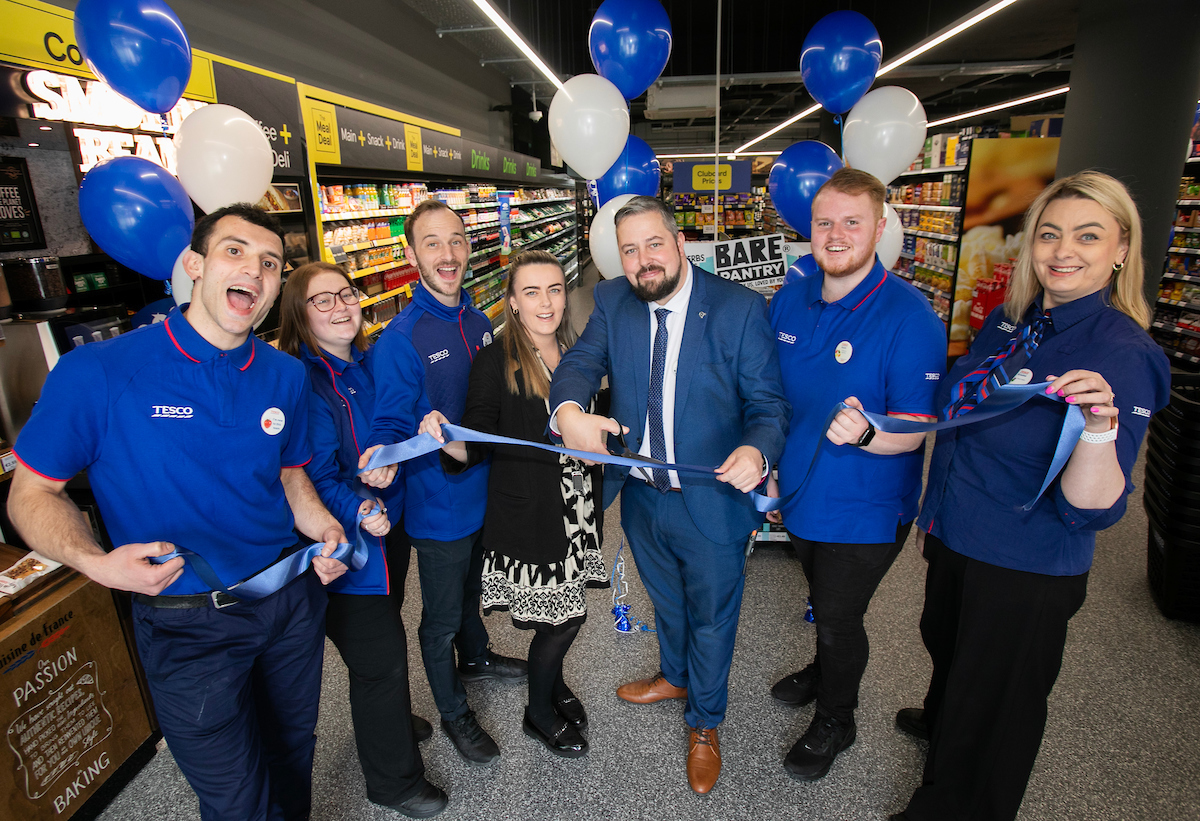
(693, 368)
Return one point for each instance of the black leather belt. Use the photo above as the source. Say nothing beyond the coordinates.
(214, 599)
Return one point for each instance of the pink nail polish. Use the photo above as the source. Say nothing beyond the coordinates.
(1050, 389)
(1062, 393)
(1071, 399)
(1094, 409)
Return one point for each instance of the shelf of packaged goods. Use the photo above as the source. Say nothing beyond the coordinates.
(943, 170)
(469, 205)
(945, 269)
(362, 215)
(929, 289)
(383, 266)
(526, 246)
(1195, 251)
(370, 329)
(1179, 303)
(491, 250)
(1194, 203)
(944, 208)
(1174, 329)
(1186, 357)
(486, 226)
(405, 289)
(536, 220)
(372, 243)
(1174, 277)
(1180, 229)
(571, 272)
(932, 235)
(530, 203)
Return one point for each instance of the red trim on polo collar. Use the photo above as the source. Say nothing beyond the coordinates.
(879, 284)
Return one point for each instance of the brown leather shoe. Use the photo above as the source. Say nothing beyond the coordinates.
(704, 760)
(650, 690)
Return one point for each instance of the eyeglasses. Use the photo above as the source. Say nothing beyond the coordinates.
(325, 301)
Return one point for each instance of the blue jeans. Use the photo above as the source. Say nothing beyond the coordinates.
(696, 586)
(236, 693)
(450, 575)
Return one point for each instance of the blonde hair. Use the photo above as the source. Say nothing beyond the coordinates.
(519, 351)
(293, 310)
(1126, 294)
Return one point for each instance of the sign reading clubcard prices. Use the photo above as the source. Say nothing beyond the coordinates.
(702, 177)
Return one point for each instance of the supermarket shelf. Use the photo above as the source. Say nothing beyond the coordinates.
(1181, 229)
(1186, 357)
(362, 215)
(942, 170)
(932, 235)
(527, 223)
(525, 246)
(1179, 303)
(383, 266)
(524, 203)
(1174, 329)
(1188, 202)
(370, 329)
(484, 226)
(929, 289)
(935, 266)
(468, 206)
(1174, 277)
(1192, 159)
(944, 208)
(403, 289)
(1194, 251)
(372, 243)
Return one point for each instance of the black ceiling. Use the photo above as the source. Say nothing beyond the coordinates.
(764, 37)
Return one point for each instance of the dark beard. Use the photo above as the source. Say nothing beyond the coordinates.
(664, 287)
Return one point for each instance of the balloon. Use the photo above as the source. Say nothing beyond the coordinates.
(884, 132)
(138, 213)
(797, 175)
(630, 42)
(888, 248)
(804, 267)
(636, 171)
(602, 238)
(839, 59)
(138, 47)
(223, 157)
(181, 283)
(589, 124)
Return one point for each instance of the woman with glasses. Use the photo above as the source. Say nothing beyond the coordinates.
(321, 324)
(542, 529)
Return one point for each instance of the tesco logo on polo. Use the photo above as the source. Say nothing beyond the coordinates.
(171, 412)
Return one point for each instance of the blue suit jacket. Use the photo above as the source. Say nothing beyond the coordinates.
(728, 390)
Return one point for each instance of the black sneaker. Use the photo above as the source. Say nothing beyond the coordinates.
(495, 667)
(471, 741)
(428, 802)
(799, 688)
(422, 729)
(912, 720)
(813, 754)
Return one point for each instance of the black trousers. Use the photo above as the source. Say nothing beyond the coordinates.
(996, 638)
(842, 578)
(369, 633)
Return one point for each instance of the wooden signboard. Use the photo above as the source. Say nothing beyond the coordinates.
(72, 709)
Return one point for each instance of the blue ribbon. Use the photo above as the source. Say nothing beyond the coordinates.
(1002, 400)
(275, 577)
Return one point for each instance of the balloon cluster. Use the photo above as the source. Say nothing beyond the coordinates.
(630, 42)
(135, 210)
(882, 133)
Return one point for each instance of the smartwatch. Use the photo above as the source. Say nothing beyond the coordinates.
(866, 438)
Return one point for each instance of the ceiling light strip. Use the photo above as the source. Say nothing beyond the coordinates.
(518, 41)
(979, 15)
(1001, 106)
(709, 155)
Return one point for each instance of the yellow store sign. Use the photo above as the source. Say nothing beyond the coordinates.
(704, 177)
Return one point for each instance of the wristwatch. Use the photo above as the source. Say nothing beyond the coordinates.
(866, 438)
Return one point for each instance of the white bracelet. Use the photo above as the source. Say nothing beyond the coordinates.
(1100, 438)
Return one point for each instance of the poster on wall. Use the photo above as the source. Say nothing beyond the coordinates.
(20, 225)
(759, 263)
(1003, 179)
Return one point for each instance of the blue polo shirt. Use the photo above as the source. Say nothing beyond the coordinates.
(182, 442)
(882, 343)
(981, 475)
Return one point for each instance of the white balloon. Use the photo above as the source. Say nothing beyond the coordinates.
(181, 283)
(892, 240)
(602, 238)
(223, 157)
(589, 124)
(884, 132)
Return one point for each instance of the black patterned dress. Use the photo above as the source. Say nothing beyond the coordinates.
(542, 531)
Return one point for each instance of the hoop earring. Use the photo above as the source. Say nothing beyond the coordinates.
(1118, 267)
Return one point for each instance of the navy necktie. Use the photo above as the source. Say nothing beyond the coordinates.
(654, 409)
(994, 371)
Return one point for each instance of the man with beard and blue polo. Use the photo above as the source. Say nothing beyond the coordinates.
(195, 434)
(859, 334)
(423, 361)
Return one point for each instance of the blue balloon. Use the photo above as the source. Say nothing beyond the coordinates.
(636, 171)
(804, 267)
(137, 213)
(138, 47)
(797, 175)
(839, 59)
(630, 42)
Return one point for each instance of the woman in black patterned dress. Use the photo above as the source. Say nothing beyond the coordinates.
(542, 529)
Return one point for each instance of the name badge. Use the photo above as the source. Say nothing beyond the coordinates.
(843, 352)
